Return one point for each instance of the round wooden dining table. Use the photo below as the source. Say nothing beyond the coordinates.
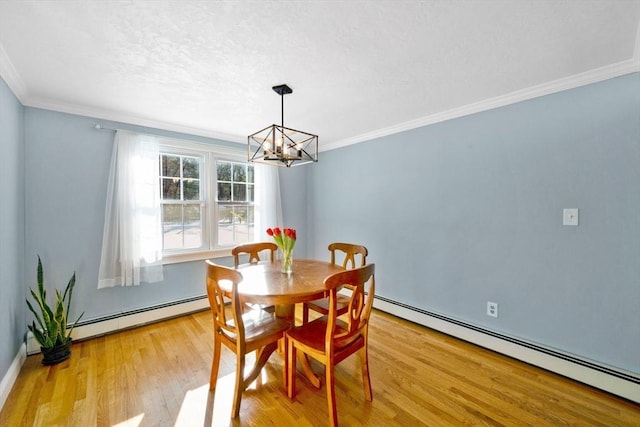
(264, 283)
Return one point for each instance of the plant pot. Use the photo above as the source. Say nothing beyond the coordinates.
(56, 354)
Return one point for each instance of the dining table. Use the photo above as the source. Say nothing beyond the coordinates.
(265, 283)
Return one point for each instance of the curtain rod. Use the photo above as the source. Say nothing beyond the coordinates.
(98, 126)
(172, 141)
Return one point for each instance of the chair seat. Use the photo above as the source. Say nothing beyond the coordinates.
(312, 334)
(321, 305)
(258, 323)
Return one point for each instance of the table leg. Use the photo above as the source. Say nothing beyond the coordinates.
(287, 311)
(261, 360)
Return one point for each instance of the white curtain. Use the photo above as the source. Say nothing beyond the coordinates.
(132, 236)
(268, 208)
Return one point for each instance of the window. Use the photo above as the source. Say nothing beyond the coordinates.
(181, 202)
(235, 202)
(207, 200)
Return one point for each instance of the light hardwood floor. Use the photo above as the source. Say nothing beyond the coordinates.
(157, 375)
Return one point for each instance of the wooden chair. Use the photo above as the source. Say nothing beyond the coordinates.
(241, 333)
(351, 252)
(330, 340)
(253, 251)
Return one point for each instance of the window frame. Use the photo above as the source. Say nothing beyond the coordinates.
(209, 154)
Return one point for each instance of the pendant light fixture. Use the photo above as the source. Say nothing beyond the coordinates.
(282, 146)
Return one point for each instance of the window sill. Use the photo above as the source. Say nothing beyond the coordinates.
(195, 256)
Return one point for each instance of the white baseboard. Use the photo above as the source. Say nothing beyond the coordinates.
(564, 366)
(127, 320)
(12, 374)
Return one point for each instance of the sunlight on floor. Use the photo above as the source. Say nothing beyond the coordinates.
(198, 410)
(131, 422)
(197, 407)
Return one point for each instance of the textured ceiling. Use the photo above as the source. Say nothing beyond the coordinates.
(358, 69)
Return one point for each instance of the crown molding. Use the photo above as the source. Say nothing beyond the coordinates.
(114, 116)
(577, 80)
(9, 74)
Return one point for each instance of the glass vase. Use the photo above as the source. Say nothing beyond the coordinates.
(287, 262)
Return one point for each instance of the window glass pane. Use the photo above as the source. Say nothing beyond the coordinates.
(172, 226)
(239, 193)
(250, 173)
(170, 189)
(170, 165)
(224, 171)
(192, 226)
(245, 232)
(225, 215)
(191, 189)
(191, 167)
(224, 191)
(225, 225)
(239, 172)
(251, 219)
(250, 190)
(237, 226)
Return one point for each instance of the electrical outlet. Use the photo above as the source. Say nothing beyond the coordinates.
(570, 216)
(492, 309)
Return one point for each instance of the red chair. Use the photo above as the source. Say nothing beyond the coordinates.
(330, 340)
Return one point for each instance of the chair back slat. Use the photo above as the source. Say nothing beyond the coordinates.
(361, 280)
(232, 328)
(351, 252)
(253, 251)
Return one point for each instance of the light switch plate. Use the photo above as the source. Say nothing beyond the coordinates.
(570, 216)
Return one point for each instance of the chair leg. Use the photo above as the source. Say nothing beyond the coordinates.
(291, 368)
(285, 362)
(215, 364)
(331, 394)
(366, 379)
(237, 396)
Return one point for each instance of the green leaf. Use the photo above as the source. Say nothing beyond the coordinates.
(51, 328)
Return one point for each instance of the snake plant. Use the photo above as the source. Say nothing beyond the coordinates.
(50, 325)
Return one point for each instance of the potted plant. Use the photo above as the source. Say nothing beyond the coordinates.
(50, 325)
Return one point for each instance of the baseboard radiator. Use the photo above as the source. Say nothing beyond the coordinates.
(129, 319)
(621, 383)
(612, 380)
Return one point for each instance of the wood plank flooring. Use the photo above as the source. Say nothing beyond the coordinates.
(157, 375)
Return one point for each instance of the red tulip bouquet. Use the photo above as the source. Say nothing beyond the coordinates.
(286, 240)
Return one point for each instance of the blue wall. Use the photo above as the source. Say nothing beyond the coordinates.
(67, 165)
(12, 291)
(294, 187)
(476, 215)
(470, 210)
